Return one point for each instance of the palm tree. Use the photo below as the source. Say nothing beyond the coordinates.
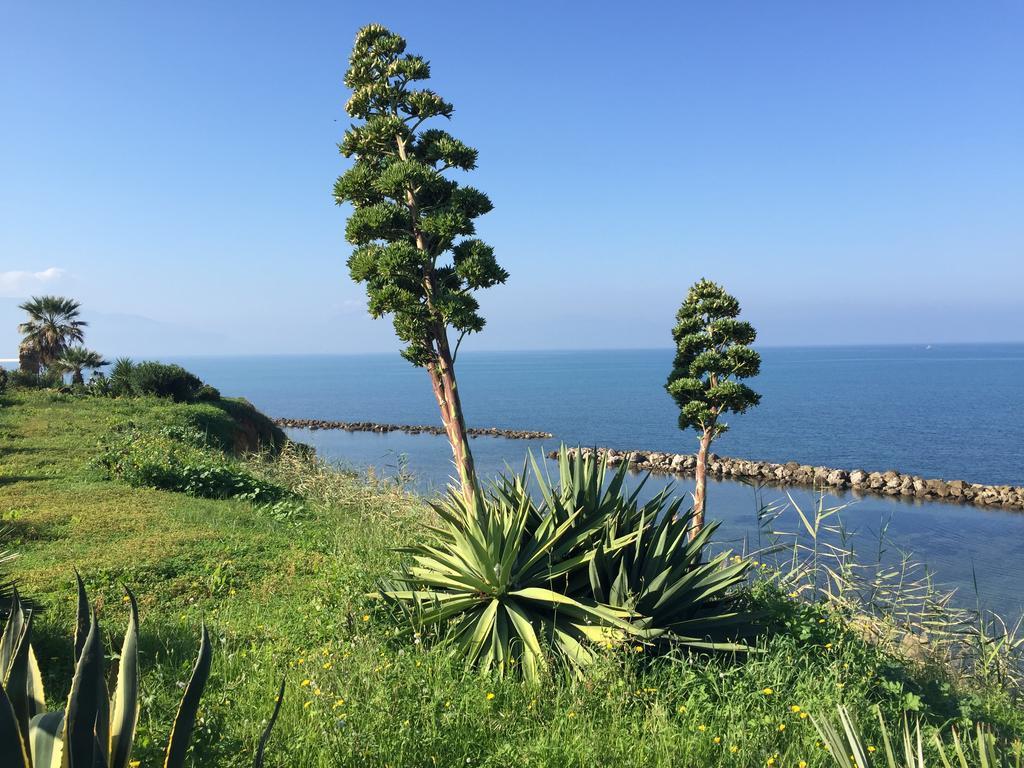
(74, 360)
(52, 325)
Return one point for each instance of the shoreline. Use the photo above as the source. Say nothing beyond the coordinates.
(410, 429)
(890, 483)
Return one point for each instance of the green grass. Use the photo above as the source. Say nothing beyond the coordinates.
(284, 595)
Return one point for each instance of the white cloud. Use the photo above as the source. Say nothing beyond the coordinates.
(18, 283)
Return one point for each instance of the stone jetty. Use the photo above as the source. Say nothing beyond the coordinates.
(369, 426)
(890, 483)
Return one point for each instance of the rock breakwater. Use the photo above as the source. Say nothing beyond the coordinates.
(411, 429)
(889, 483)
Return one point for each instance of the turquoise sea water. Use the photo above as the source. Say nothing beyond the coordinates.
(944, 411)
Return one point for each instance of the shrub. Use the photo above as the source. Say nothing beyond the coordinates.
(4, 380)
(160, 380)
(208, 394)
(518, 577)
(163, 380)
(178, 459)
(99, 385)
(48, 379)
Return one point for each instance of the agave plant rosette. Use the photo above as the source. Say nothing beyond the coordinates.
(517, 577)
(662, 577)
(499, 572)
(92, 730)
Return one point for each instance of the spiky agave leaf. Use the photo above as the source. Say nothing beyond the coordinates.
(184, 722)
(124, 714)
(87, 697)
(265, 737)
(19, 671)
(13, 750)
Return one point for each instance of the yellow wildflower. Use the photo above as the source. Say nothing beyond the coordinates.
(782, 726)
(490, 696)
(734, 749)
(767, 691)
(366, 617)
(803, 715)
(702, 727)
(717, 739)
(795, 708)
(306, 682)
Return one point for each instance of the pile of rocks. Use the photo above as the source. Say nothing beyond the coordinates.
(889, 483)
(369, 426)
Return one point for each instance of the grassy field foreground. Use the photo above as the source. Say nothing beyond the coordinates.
(282, 588)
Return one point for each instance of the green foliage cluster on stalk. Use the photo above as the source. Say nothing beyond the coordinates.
(516, 581)
(407, 215)
(92, 730)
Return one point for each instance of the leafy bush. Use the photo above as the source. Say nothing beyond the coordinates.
(516, 580)
(163, 380)
(89, 730)
(4, 379)
(99, 385)
(128, 378)
(26, 379)
(177, 458)
(208, 393)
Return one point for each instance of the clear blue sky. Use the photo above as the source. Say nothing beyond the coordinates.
(854, 172)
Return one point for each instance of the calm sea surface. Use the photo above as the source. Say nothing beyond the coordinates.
(944, 411)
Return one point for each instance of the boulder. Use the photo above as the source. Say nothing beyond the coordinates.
(838, 478)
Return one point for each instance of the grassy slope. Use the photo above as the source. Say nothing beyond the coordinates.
(286, 597)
